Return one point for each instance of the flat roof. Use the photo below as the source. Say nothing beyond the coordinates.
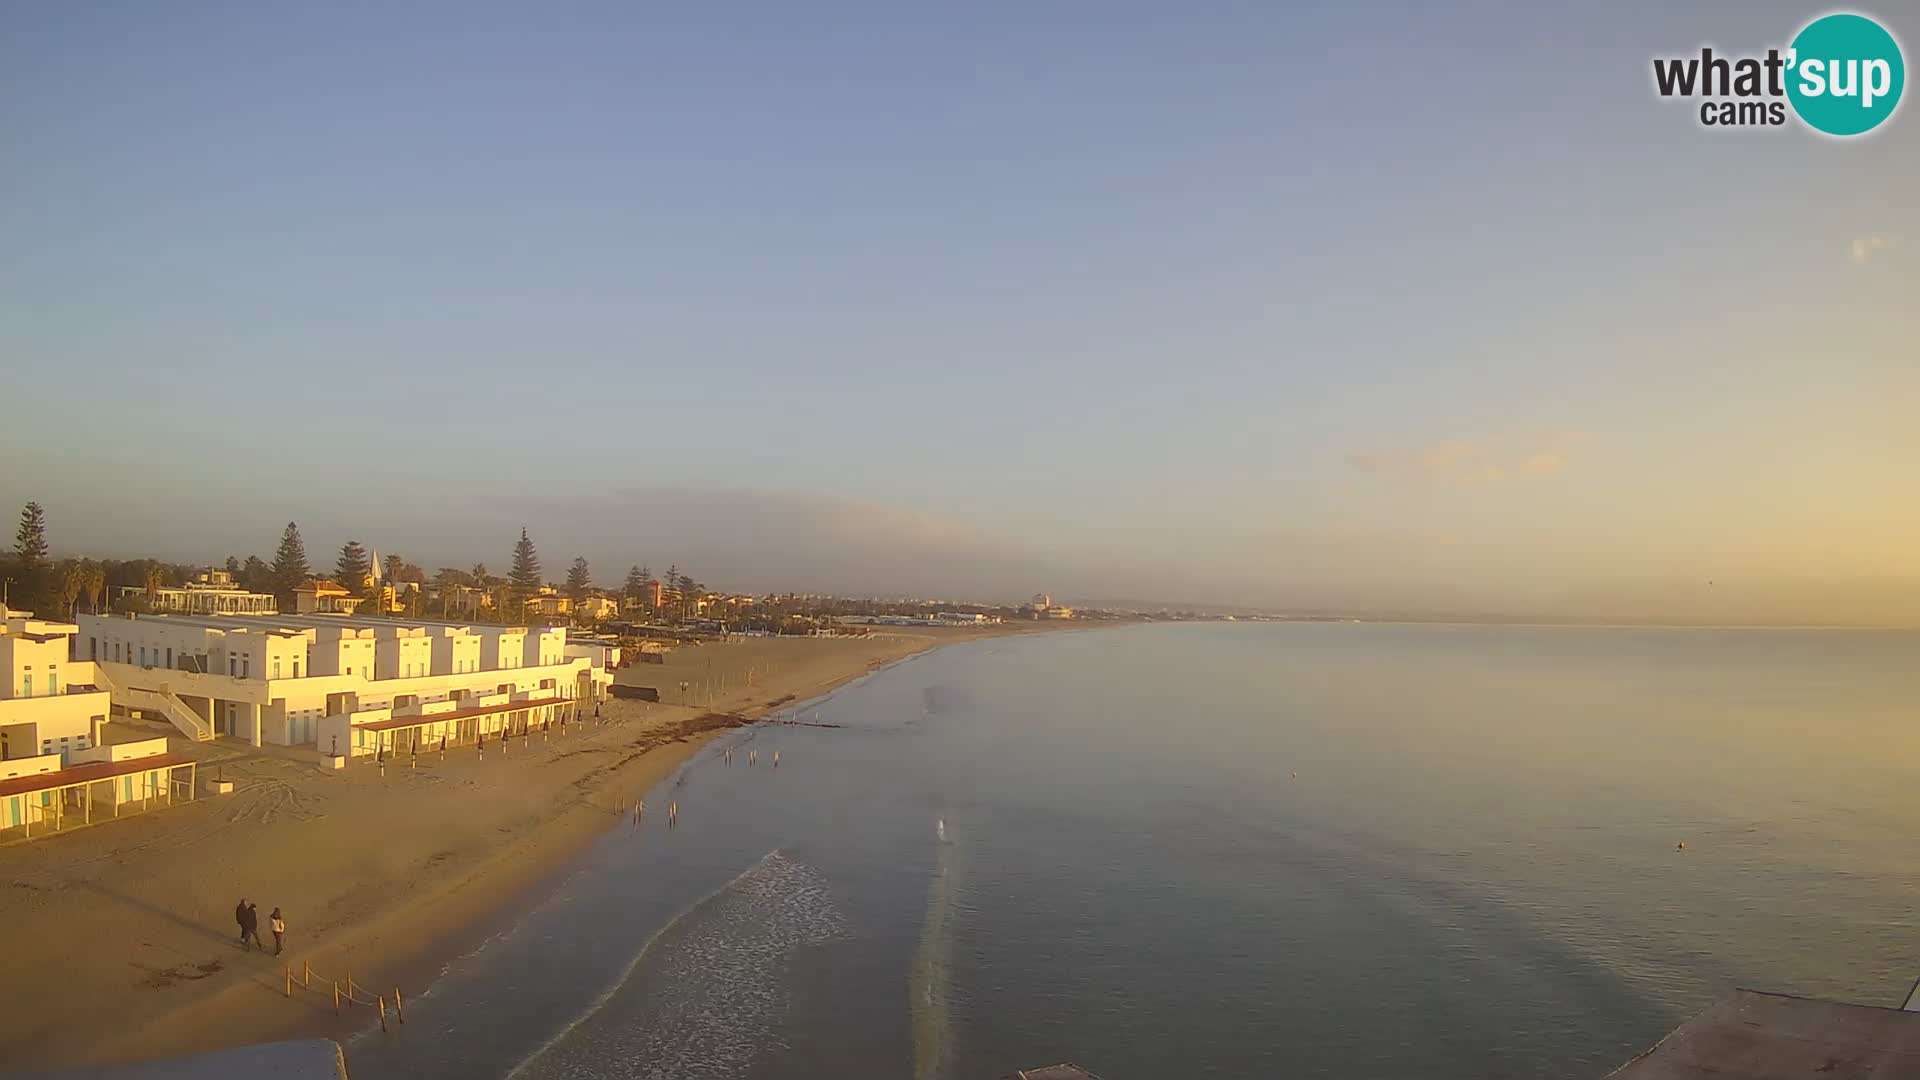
(88, 774)
(1758, 1036)
(459, 714)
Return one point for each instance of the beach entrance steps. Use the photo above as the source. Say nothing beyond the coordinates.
(163, 701)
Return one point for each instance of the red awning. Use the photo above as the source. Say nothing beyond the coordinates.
(458, 714)
(89, 773)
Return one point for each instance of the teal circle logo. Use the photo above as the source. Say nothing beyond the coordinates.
(1845, 74)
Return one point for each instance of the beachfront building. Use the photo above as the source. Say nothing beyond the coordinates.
(286, 679)
(211, 593)
(50, 705)
(49, 792)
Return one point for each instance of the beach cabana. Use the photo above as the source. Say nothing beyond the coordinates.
(425, 732)
(49, 801)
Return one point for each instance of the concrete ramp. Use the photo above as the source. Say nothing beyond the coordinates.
(1754, 1036)
(300, 1059)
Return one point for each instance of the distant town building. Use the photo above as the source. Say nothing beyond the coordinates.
(210, 593)
(1041, 601)
(549, 601)
(597, 607)
(321, 595)
(653, 597)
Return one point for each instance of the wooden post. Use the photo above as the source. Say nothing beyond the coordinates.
(336, 997)
(383, 1013)
(397, 1009)
(349, 987)
(306, 970)
(289, 980)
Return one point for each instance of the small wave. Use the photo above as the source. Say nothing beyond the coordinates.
(704, 996)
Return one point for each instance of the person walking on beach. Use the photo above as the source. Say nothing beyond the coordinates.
(279, 927)
(250, 926)
(240, 917)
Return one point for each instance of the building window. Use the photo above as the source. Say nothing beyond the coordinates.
(143, 656)
(246, 667)
(53, 683)
(276, 667)
(169, 656)
(26, 685)
(93, 648)
(296, 669)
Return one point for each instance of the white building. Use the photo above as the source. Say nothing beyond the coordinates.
(49, 703)
(53, 791)
(212, 593)
(279, 678)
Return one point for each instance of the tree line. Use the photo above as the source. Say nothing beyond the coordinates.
(34, 581)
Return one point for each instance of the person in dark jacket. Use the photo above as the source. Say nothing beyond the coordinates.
(240, 919)
(250, 927)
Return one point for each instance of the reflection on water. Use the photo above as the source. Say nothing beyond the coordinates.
(928, 990)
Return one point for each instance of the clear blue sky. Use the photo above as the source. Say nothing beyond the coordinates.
(1387, 305)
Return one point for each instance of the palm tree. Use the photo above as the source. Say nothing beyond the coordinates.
(96, 584)
(73, 581)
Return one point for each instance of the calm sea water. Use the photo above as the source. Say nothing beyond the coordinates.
(1233, 850)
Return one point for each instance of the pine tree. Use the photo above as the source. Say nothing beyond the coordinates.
(290, 570)
(636, 585)
(233, 567)
(579, 578)
(525, 575)
(351, 568)
(256, 576)
(30, 545)
(395, 565)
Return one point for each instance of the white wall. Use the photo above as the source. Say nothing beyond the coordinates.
(403, 657)
(545, 646)
(455, 652)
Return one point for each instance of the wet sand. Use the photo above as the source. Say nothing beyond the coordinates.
(130, 924)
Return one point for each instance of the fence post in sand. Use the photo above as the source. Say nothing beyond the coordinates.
(336, 997)
(349, 987)
(397, 1009)
(383, 1014)
(306, 970)
(289, 980)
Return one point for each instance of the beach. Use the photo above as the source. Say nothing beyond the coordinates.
(384, 874)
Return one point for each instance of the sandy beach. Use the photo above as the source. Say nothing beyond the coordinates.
(130, 924)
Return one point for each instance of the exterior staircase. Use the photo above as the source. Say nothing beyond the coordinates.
(162, 701)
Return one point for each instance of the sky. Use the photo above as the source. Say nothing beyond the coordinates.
(1372, 308)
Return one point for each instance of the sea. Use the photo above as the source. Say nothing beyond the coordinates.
(1228, 850)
